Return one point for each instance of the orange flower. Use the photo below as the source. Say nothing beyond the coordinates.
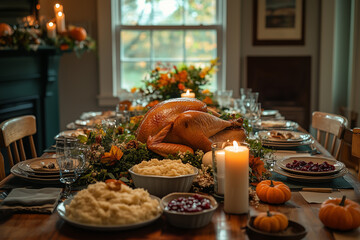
(152, 103)
(257, 166)
(133, 89)
(111, 157)
(208, 100)
(181, 86)
(64, 47)
(206, 91)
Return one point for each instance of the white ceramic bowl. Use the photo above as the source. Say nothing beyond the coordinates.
(188, 220)
(162, 185)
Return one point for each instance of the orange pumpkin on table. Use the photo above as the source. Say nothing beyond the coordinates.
(271, 222)
(78, 33)
(274, 192)
(340, 214)
(5, 29)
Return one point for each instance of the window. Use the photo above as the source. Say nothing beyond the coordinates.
(166, 31)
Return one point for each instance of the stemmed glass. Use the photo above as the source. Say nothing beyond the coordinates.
(71, 162)
(224, 98)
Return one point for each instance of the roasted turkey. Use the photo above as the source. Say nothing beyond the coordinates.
(185, 124)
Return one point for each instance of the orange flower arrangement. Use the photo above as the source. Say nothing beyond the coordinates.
(165, 83)
(257, 169)
(112, 156)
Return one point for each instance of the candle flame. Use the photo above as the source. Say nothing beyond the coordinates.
(60, 14)
(236, 146)
(187, 92)
(57, 5)
(51, 24)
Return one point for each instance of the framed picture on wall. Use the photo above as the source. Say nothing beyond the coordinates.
(278, 22)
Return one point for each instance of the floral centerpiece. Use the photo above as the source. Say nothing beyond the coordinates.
(165, 82)
(114, 150)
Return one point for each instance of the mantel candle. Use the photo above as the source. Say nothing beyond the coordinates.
(60, 22)
(58, 8)
(188, 94)
(51, 29)
(236, 198)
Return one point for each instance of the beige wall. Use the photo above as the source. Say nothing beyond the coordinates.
(78, 77)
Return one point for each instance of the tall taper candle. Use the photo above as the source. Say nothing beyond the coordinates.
(51, 30)
(58, 8)
(236, 197)
(60, 22)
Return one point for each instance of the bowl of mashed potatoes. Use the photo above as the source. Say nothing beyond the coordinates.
(161, 177)
(110, 206)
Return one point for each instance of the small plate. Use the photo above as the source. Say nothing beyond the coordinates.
(338, 165)
(267, 113)
(37, 165)
(61, 210)
(310, 178)
(278, 124)
(287, 144)
(294, 231)
(71, 133)
(296, 136)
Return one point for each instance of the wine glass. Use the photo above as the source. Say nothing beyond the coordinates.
(71, 162)
(224, 98)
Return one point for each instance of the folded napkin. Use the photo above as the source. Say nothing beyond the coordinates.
(34, 200)
(352, 235)
(318, 197)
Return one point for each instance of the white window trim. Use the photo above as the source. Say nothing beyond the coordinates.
(108, 57)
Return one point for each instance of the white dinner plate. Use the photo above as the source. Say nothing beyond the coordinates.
(287, 144)
(338, 165)
(268, 113)
(61, 210)
(278, 124)
(43, 180)
(296, 136)
(310, 178)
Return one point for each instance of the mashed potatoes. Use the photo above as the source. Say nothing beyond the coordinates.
(101, 205)
(166, 167)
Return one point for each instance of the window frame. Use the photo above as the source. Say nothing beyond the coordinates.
(228, 14)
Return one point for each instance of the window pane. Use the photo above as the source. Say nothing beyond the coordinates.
(212, 85)
(168, 12)
(135, 44)
(200, 44)
(135, 12)
(200, 12)
(132, 74)
(168, 45)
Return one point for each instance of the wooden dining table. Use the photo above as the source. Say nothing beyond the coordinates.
(223, 226)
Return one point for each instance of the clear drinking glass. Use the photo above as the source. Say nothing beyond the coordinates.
(122, 114)
(224, 98)
(218, 163)
(71, 162)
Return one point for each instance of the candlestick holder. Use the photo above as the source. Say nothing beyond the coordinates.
(218, 164)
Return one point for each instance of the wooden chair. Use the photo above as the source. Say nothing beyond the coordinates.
(329, 126)
(12, 133)
(350, 150)
(2, 167)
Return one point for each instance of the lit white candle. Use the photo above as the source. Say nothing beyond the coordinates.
(60, 22)
(236, 197)
(58, 8)
(188, 94)
(51, 29)
(220, 173)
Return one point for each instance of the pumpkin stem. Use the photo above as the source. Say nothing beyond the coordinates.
(268, 213)
(342, 203)
(271, 183)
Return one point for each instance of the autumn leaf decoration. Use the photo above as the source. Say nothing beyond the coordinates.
(257, 167)
(111, 157)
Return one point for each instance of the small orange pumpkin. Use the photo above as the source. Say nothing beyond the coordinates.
(340, 214)
(271, 222)
(5, 29)
(274, 192)
(78, 33)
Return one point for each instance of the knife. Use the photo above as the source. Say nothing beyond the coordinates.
(322, 190)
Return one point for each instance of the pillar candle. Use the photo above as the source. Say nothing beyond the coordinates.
(58, 8)
(60, 22)
(220, 173)
(236, 197)
(51, 29)
(188, 94)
